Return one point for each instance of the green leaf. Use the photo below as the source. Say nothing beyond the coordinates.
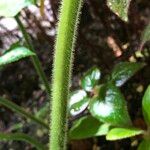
(10, 8)
(43, 112)
(90, 79)
(144, 145)
(87, 127)
(16, 126)
(121, 133)
(120, 8)
(146, 34)
(14, 55)
(110, 106)
(78, 102)
(12, 46)
(21, 137)
(124, 71)
(146, 105)
(22, 112)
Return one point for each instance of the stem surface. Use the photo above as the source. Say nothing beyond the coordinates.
(67, 26)
(35, 59)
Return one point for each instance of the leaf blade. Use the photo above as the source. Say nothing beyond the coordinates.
(15, 55)
(144, 145)
(120, 8)
(78, 102)
(124, 71)
(146, 34)
(87, 127)
(122, 133)
(110, 106)
(146, 105)
(90, 79)
(8, 9)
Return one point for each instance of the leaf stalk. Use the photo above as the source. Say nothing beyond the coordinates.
(35, 59)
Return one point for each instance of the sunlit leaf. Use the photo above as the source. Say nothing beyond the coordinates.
(87, 127)
(146, 34)
(110, 106)
(14, 55)
(12, 46)
(146, 105)
(144, 145)
(10, 8)
(120, 8)
(78, 102)
(121, 133)
(124, 71)
(90, 79)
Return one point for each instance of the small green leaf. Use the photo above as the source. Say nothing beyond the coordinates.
(144, 145)
(146, 34)
(146, 105)
(78, 102)
(43, 112)
(15, 55)
(87, 127)
(10, 8)
(12, 46)
(122, 133)
(125, 70)
(110, 106)
(90, 79)
(120, 8)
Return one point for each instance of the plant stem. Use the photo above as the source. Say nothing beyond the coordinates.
(35, 59)
(65, 40)
(22, 137)
(22, 112)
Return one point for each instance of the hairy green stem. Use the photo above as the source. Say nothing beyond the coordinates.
(22, 112)
(65, 40)
(21, 137)
(35, 59)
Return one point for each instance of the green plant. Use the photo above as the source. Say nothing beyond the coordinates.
(107, 106)
(7, 10)
(67, 26)
(16, 52)
(104, 103)
(108, 112)
(69, 18)
(121, 133)
(120, 8)
(21, 137)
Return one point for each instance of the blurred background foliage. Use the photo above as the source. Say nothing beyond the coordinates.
(103, 40)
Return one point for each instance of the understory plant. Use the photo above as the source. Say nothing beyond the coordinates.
(102, 104)
(121, 133)
(16, 52)
(67, 26)
(100, 109)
